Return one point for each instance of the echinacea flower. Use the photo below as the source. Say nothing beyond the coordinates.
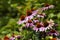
(29, 23)
(53, 32)
(46, 24)
(31, 14)
(50, 24)
(38, 28)
(21, 20)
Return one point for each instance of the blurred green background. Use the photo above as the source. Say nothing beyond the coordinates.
(11, 10)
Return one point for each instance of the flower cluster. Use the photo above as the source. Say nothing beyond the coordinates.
(13, 37)
(33, 20)
(32, 13)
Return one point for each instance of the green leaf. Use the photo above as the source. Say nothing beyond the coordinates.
(51, 15)
(58, 15)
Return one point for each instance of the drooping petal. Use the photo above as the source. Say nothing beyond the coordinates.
(35, 28)
(35, 21)
(29, 17)
(31, 24)
(42, 29)
(20, 22)
(12, 38)
(34, 13)
(27, 25)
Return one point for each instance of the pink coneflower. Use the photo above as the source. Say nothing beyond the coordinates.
(38, 27)
(31, 14)
(29, 23)
(46, 24)
(22, 19)
(53, 32)
(50, 24)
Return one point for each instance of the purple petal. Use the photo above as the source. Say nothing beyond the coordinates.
(35, 21)
(27, 24)
(12, 38)
(55, 34)
(29, 17)
(20, 22)
(34, 12)
(31, 24)
(35, 28)
(42, 29)
(46, 8)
